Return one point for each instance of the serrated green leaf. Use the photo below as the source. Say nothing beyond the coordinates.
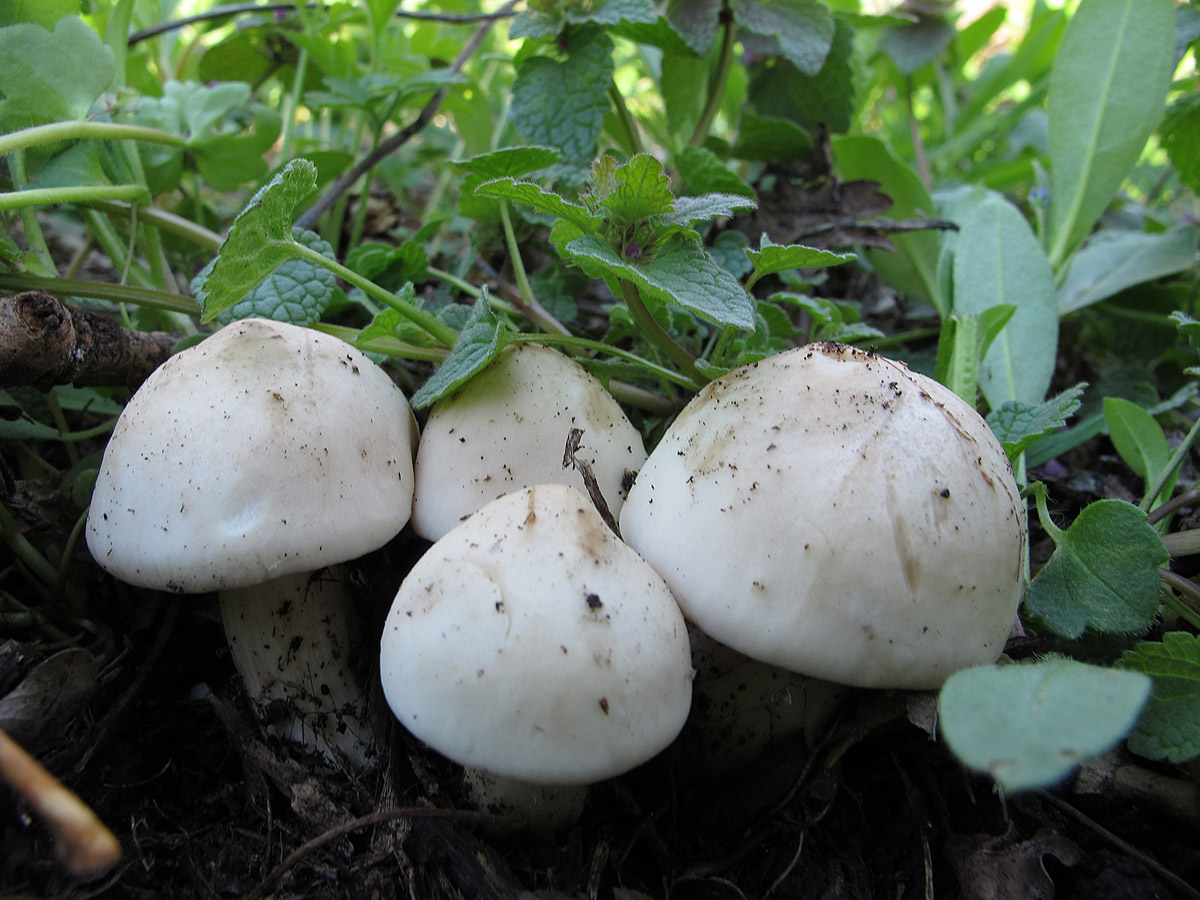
(804, 29)
(825, 99)
(771, 258)
(387, 265)
(259, 240)
(1017, 425)
(680, 272)
(703, 172)
(51, 76)
(1103, 575)
(695, 21)
(562, 104)
(533, 195)
(390, 323)
(479, 342)
(297, 291)
(1169, 727)
(1028, 726)
(690, 212)
(1110, 79)
(635, 191)
(1188, 327)
(511, 161)
(764, 138)
(613, 12)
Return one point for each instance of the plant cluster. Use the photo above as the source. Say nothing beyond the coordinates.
(666, 193)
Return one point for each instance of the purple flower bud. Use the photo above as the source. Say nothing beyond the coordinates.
(633, 251)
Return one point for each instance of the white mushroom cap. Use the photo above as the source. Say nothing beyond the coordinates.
(267, 449)
(506, 429)
(831, 512)
(532, 643)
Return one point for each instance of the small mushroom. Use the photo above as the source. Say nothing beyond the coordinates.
(245, 465)
(531, 643)
(831, 512)
(506, 430)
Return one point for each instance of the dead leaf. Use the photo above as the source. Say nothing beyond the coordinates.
(38, 710)
(997, 868)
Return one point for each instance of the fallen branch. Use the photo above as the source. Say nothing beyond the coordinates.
(44, 342)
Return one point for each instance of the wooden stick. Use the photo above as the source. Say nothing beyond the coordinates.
(86, 847)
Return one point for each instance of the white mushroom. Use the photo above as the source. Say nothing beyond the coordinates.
(831, 512)
(531, 643)
(244, 465)
(506, 429)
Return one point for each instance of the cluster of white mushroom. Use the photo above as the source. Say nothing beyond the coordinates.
(823, 514)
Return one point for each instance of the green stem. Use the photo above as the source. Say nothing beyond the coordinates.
(440, 332)
(116, 293)
(632, 139)
(386, 345)
(162, 220)
(1039, 495)
(653, 332)
(532, 309)
(79, 130)
(1185, 587)
(25, 551)
(60, 422)
(290, 102)
(570, 340)
(113, 247)
(716, 88)
(1160, 480)
(29, 219)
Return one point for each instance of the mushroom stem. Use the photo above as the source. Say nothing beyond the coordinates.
(86, 847)
(542, 806)
(294, 641)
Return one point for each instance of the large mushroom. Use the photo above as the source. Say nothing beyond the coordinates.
(245, 465)
(831, 512)
(531, 644)
(506, 429)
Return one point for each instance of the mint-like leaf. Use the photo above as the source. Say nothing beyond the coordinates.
(51, 76)
(511, 161)
(639, 190)
(770, 258)
(480, 341)
(703, 172)
(691, 211)
(297, 291)
(679, 272)
(1169, 727)
(802, 28)
(1017, 425)
(529, 194)
(612, 12)
(1103, 574)
(562, 103)
(1029, 725)
(259, 240)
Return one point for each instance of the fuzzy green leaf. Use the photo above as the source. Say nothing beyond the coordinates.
(1140, 441)
(1107, 88)
(51, 76)
(1169, 727)
(679, 272)
(1029, 725)
(1017, 425)
(692, 211)
(529, 194)
(783, 91)
(695, 21)
(1103, 574)
(635, 191)
(562, 104)
(1180, 132)
(259, 240)
(770, 258)
(511, 161)
(703, 172)
(802, 28)
(479, 342)
(1114, 261)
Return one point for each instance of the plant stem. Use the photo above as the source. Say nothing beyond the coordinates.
(80, 130)
(570, 340)
(1185, 587)
(162, 220)
(443, 334)
(531, 308)
(117, 293)
(1039, 494)
(29, 219)
(386, 345)
(1160, 479)
(628, 125)
(653, 332)
(716, 88)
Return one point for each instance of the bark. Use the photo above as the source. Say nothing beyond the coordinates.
(44, 342)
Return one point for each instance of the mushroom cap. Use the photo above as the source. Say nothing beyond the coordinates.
(267, 449)
(828, 511)
(532, 643)
(507, 428)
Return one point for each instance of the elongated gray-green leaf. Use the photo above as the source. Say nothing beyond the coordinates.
(1107, 91)
(998, 261)
(1115, 261)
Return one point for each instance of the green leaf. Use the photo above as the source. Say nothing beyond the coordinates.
(635, 191)
(612, 12)
(1107, 89)
(765, 138)
(962, 344)
(38, 12)
(479, 342)
(1103, 574)
(1113, 261)
(1028, 726)
(1169, 727)
(916, 44)
(703, 172)
(1139, 439)
(680, 272)
(1017, 425)
(998, 261)
(512, 162)
(692, 211)
(770, 258)
(1180, 134)
(51, 76)
(695, 21)
(529, 194)
(913, 267)
(803, 28)
(562, 103)
(825, 99)
(259, 240)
